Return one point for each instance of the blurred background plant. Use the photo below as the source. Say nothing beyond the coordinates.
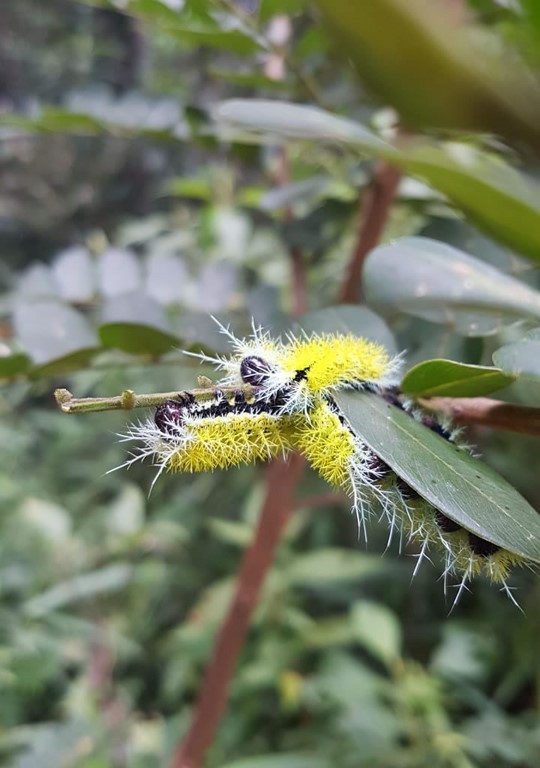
(136, 199)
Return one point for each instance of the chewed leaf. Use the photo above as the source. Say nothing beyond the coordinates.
(446, 378)
(462, 487)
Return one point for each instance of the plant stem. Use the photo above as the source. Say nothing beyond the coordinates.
(485, 412)
(129, 400)
(282, 478)
(375, 205)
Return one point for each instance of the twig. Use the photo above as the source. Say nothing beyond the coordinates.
(485, 412)
(129, 400)
(375, 206)
(282, 478)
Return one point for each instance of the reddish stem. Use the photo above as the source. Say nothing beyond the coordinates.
(485, 412)
(282, 478)
(375, 206)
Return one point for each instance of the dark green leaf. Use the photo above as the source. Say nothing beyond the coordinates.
(444, 285)
(76, 361)
(13, 365)
(446, 378)
(462, 487)
(137, 338)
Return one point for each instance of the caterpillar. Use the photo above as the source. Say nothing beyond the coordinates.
(290, 408)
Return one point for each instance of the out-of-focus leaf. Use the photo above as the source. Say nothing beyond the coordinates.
(37, 280)
(13, 365)
(253, 80)
(167, 279)
(126, 514)
(280, 760)
(74, 273)
(330, 566)
(53, 120)
(119, 272)
(360, 321)
(136, 324)
(76, 361)
(495, 196)
(231, 532)
(136, 338)
(442, 284)
(461, 80)
(88, 585)
(446, 378)
(232, 40)
(462, 487)
(218, 285)
(377, 629)
(52, 331)
(294, 121)
(198, 189)
(285, 195)
(522, 358)
(51, 746)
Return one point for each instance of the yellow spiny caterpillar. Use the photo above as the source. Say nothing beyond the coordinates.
(290, 407)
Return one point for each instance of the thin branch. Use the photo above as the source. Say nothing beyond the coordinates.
(375, 205)
(129, 400)
(282, 478)
(485, 412)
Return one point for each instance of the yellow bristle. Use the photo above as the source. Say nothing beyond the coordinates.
(221, 442)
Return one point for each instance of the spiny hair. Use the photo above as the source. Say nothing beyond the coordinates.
(291, 408)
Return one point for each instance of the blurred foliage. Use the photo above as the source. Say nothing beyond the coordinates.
(142, 188)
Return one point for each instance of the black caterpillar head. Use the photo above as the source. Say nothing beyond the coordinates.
(169, 416)
(255, 370)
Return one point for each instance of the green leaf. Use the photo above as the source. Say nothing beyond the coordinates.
(135, 323)
(83, 587)
(76, 361)
(328, 566)
(137, 339)
(377, 629)
(522, 358)
(492, 194)
(496, 197)
(360, 321)
(461, 80)
(442, 284)
(280, 760)
(13, 365)
(295, 121)
(446, 378)
(460, 486)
